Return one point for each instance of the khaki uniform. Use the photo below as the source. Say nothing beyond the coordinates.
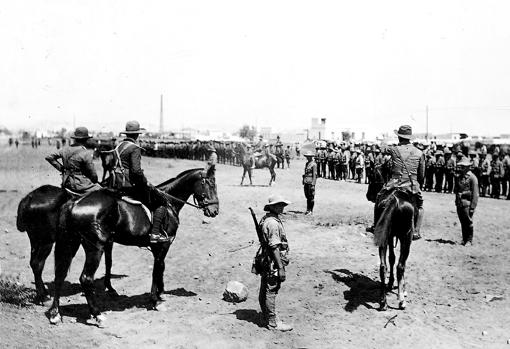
(466, 199)
(309, 181)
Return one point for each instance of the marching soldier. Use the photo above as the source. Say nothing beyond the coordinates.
(309, 181)
(497, 172)
(466, 199)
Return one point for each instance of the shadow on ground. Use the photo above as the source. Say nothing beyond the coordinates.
(362, 289)
(442, 241)
(249, 315)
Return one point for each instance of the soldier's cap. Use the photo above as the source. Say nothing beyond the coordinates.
(495, 153)
(377, 150)
(464, 162)
(133, 127)
(275, 199)
(81, 133)
(308, 153)
(404, 131)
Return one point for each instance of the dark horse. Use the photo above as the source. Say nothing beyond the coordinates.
(38, 215)
(101, 216)
(396, 221)
(260, 162)
(375, 183)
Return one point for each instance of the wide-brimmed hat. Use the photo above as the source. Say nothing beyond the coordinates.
(464, 162)
(405, 131)
(81, 133)
(308, 153)
(274, 200)
(133, 127)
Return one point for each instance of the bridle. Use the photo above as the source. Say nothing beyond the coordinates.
(200, 200)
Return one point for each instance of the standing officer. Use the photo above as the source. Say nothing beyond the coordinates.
(466, 199)
(497, 172)
(271, 279)
(131, 179)
(77, 168)
(450, 170)
(309, 181)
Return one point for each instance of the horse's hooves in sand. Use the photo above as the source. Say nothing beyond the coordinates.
(402, 305)
(99, 321)
(55, 320)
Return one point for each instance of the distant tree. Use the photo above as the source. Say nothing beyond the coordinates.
(346, 136)
(247, 132)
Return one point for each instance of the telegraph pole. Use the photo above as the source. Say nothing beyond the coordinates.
(427, 122)
(161, 116)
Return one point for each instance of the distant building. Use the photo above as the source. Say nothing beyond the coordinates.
(318, 129)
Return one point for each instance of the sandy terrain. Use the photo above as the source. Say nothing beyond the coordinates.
(332, 288)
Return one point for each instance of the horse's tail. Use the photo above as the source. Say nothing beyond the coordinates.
(383, 225)
(22, 210)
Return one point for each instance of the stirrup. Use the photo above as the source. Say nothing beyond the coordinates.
(155, 239)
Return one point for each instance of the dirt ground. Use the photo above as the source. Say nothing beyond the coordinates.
(332, 288)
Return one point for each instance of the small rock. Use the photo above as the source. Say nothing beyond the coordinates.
(195, 277)
(6, 231)
(235, 292)
(484, 333)
(508, 341)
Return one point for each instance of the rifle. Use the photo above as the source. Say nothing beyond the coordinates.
(261, 260)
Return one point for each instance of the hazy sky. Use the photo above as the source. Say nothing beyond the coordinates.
(222, 64)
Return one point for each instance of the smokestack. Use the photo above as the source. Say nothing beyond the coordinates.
(161, 116)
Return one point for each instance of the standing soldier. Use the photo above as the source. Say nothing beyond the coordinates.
(323, 161)
(277, 247)
(359, 165)
(213, 157)
(450, 170)
(485, 171)
(369, 166)
(466, 199)
(331, 163)
(352, 165)
(344, 163)
(337, 160)
(16, 143)
(439, 172)
(506, 177)
(497, 172)
(286, 154)
(309, 180)
(318, 161)
(77, 168)
(430, 167)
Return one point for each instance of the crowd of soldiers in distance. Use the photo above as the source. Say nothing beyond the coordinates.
(353, 162)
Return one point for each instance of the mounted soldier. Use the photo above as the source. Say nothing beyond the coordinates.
(407, 174)
(130, 179)
(77, 167)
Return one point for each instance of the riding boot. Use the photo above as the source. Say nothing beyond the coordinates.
(157, 232)
(417, 225)
(312, 203)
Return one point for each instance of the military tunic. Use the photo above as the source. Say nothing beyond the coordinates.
(309, 181)
(466, 200)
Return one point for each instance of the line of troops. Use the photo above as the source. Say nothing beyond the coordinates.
(228, 152)
(355, 162)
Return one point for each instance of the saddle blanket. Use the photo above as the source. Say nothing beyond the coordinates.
(132, 201)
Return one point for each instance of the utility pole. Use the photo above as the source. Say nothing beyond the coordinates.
(161, 116)
(427, 122)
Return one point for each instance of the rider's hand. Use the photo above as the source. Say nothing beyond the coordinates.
(281, 274)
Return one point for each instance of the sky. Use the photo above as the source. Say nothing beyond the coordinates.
(223, 64)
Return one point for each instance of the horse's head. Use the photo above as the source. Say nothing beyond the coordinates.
(205, 193)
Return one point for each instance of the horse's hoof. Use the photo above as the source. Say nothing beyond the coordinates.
(383, 307)
(402, 305)
(99, 321)
(56, 319)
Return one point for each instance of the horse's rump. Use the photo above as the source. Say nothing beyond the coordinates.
(397, 209)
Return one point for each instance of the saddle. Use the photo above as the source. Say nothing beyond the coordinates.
(132, 201)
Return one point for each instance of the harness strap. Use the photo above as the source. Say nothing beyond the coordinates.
(405, 166)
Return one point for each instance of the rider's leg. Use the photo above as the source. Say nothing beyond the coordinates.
(157, 232)
(419, 218)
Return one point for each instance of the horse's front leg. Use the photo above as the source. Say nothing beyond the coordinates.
(159, 251)
(242, 178)
(383, 305)
(93, 254)
(108, 272)
(405, 245)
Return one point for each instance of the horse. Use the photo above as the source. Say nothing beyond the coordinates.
(260, 162)
(396, 221)
(102, 216)
(375, 183)
(38, 215)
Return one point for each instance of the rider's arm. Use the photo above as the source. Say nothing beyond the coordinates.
(53, 160)
(135, 170)
(421, 170)
(87, 166)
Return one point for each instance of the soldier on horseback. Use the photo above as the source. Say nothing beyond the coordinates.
(407, 173)
(129, 178)
(77, 168)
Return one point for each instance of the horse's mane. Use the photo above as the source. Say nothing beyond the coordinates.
(180, 175)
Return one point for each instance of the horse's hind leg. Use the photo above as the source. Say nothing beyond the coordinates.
(244, 173)
(383, 305)
(404, 253)
(38, 255)
(93, 254)
(391, 258)
(108, 266)
(65, 249)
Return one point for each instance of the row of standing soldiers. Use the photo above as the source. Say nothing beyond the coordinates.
(492, 172)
